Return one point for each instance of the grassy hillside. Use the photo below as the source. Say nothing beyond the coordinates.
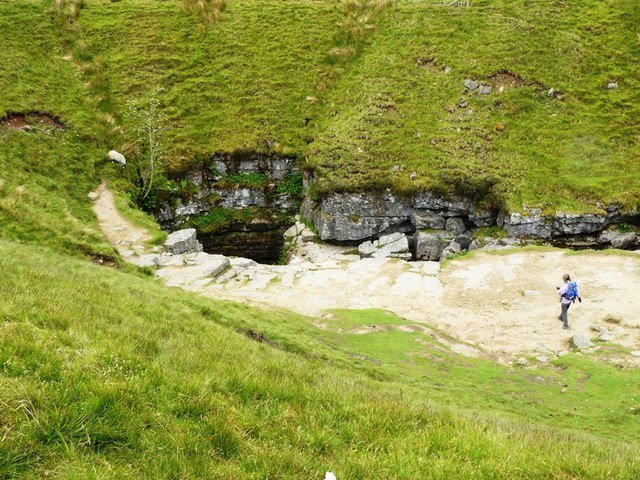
(401, 106)
(104, 373)
(370, 103)
(235, 86)
(51, 142)
(117, 379)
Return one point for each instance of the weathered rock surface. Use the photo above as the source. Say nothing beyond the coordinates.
(219, 183)
(240, 198)
(183, 241)
(470, 85)
(426, 220)
(209, 265)
(618, 239)
(395, 245)
(450, 251)
(455, 225)
(308, 235)
(430, 245)
(580, 341)
(348, 217)
(148, 260)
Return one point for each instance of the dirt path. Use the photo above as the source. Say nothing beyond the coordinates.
(497, 304)
(126, 237)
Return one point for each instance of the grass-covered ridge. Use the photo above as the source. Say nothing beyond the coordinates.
(371, 98)
(117, 379)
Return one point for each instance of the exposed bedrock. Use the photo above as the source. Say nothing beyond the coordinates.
(355, 217)
(233, 181)
(352, 217)
(240, 204)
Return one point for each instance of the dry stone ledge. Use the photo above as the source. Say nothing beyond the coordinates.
(395, 245)
(425, 220)
(210, 265)
(183, 241)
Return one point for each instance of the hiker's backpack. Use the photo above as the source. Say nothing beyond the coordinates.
(572, 291)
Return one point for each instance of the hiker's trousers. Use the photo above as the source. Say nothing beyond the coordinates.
(565, 314)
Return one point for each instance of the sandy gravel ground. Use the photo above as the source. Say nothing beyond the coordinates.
(500, 305)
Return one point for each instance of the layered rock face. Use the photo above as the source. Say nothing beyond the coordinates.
(239, 204)
(232, 182)
(448, 223)
(352, 217)
(436, 227)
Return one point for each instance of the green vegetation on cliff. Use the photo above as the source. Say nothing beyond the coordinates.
(369, 100)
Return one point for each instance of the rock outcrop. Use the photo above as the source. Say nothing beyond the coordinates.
(354, 217)
(395, 245)
(580, 341)
(183, 241)
(233, 181)
(240, 203)
(430, 245)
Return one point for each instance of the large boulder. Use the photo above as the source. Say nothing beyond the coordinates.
(395, 245)
(430, 245)
(183, 241)
(618, 239)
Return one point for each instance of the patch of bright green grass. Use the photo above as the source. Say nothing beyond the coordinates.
(124, 380)
(596, 391)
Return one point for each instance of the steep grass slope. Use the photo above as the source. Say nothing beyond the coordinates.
(390, 115)
(402, 117)
(51, 143)
(392, 112)
(240, 85)
(105, 375)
